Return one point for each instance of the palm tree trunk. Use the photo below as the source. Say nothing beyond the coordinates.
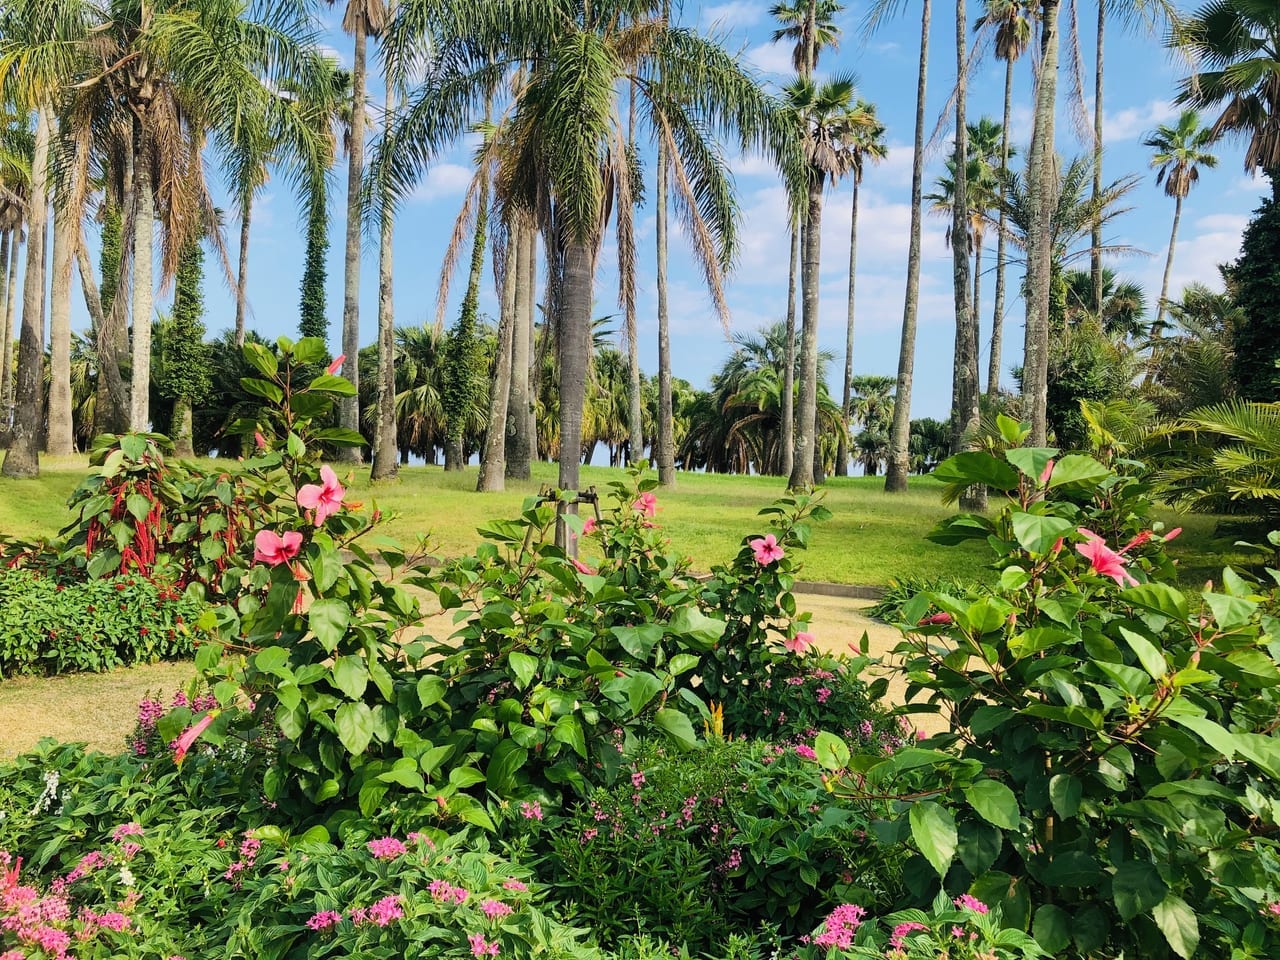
(666, 452)
(60, 441)
(242, 277)
(454, 455)
(10, 334)
(635, 419)
(806, 442)
(519, 431)
(899, 466)
(492, 461)
(997, 318)
(842, 452)
(576, 296)
(1095, 251)
(385, 462)
(349, 407)
(143, 228)
(787, 441)
(180, 428)
(535, 365)
(23, 458)
(8, 249)
(1168, 263)
(975, 311)
(1041, 201)
(110, 399)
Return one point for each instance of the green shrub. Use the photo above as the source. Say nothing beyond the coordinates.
(48, 626)
(900, 590)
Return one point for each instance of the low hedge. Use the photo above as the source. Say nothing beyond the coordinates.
(49, 626)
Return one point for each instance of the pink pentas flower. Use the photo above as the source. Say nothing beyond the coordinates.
(495, 909)
(1104, 561)
(766, 549)
(324, 920)
(191, 735)
(806, 752)
(274, 549)
(966, 902)
(800, 643)
(333, 368)
(647, 504)
(481, 947)
(324, 498)
(386, 848)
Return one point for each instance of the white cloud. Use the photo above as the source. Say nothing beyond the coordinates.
(444, 180)
(342, 57)
(732, 14)
(772, 58)
(1132, 122)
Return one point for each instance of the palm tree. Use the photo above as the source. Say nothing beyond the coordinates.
(16, 147)
(830, 115)
(561, 156)
(1124, 304)
(899, 466)
(385, 462)
(867, 143)
(362, 19)
(810, 26)
(1012, 35)
(872, 410)
(1181, 149)
(966, 385)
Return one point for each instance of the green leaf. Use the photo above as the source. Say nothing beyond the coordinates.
(1137, 888)
(508, 757)
(693, 625)
(431, 690)
(833, 752)
(641, 688)
(1230, 612)
(975, 467)
(1036, 533)
(1076, 468)
(340, 437)
(933, 827)
(1148, 654)
(523, 666)
(261, 359)
(681, 663)
(1160, 597)
(272, 660)
(1065, 792)
(310, 350)
(979, 845)
(639, 641)
(1177, 921)
(354, 722)
(677, 726)
(138, 506)
(337, 386)
(329, 620)
(1031, 460)
(995, 803)
(350, 676)
(1031, 642)
(1052, 928)
(262, 388)
(569, 731)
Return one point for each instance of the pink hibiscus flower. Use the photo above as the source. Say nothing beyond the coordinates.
(647, 504)
(325, 498)
(800, 643)
(334, 367)
(767, 549)
(581, 567)
(589, 526)
(191, 735)
(273, 549)
(1103, 559)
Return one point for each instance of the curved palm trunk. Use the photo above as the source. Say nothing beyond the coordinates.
(806, 443)
(60, 441)
(898, 468)
(23, 458)
(8, 254)
(787, 441)
(143, 229)
(385, 461)
(842, 452)
(454, 455)
(492, 460)
(1041, 202)
(1095, 252)
(997, 317)
(1168, 263)
(666, 452)
(349, 407)
(242, 277)
(576, 294)
(110, 399)
(519, 431)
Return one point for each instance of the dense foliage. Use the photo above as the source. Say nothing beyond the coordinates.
(1255, 278)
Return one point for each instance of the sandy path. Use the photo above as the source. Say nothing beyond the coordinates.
(100, 709)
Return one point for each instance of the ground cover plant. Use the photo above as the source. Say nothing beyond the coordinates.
(336, 782)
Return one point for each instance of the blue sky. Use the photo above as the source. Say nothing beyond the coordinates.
(1142, 79)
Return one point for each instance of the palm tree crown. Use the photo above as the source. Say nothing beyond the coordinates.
(1180, 150)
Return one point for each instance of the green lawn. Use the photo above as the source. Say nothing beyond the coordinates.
(872, 537)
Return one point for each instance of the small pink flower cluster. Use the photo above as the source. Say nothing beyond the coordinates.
(903, 930)
(733, 862)
(111, 920)
(445, 892)
(91, 861)
(126, 830)
(495, 909)
(840, 926)
(249, 848)
(511, 883)
(806, 752)
(481, 947)
(386, 848)
(966, 902)
(32, 919)
(324, 920)
(531, 811)
(382, 913)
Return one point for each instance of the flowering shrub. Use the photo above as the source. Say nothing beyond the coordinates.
(736, 834)
(1109, 778)
(50, 625)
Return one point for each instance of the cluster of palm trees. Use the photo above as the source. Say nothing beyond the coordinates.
(119, 109)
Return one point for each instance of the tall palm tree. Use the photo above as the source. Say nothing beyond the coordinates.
(830, 115)
(561, 155)
(966, 385)
(1012, 29)
(16, 147)
(810, 26)
(1124, 304)
(362, 19)
(1181, 149)
(521, 433)
(899, 465)
(867, 143)
(386, 463)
